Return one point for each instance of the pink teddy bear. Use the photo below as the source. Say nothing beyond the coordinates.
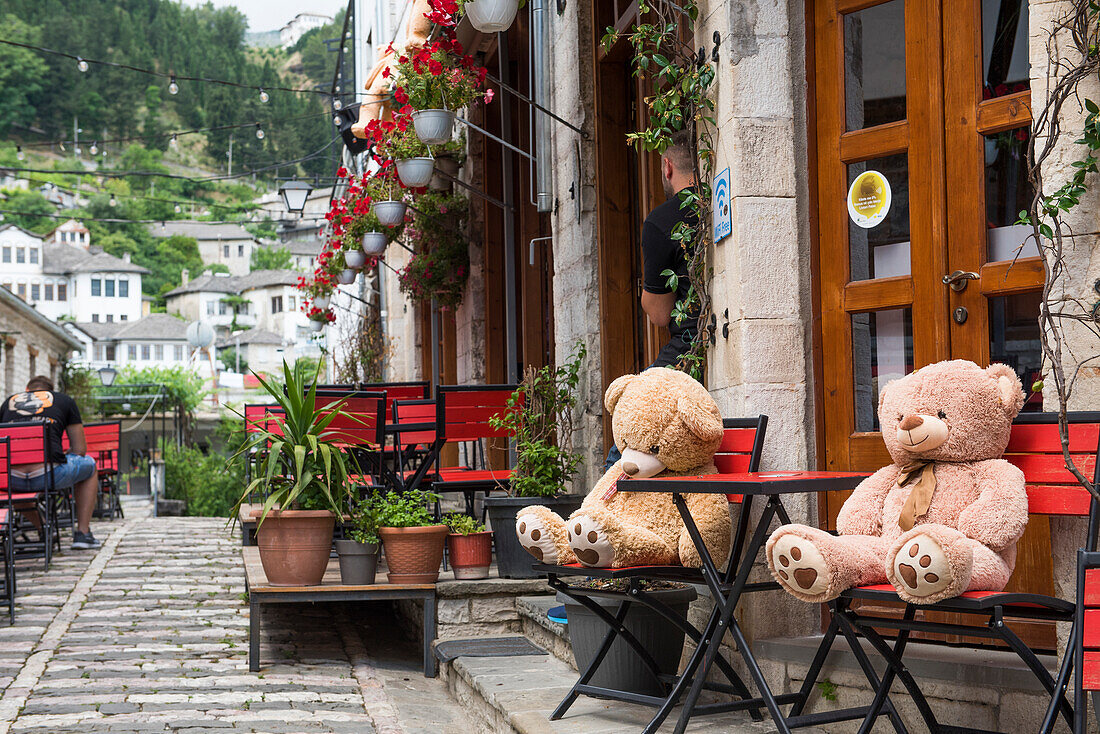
(944, 518)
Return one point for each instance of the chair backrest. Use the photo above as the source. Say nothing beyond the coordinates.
(5, 463)
(29, 442)
(395, 391)
(742, 444)
(1036, 448)
(104, 441)
(416, 419)
(363, 423)
(1088, 622)
(463, 412)
(256, 414)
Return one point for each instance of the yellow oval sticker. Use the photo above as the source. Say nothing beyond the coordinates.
(869, 199)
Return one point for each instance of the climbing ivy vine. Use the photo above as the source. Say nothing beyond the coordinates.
(663, 42)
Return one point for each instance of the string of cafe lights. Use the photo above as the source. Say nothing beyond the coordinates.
(180, 204)
(173, 136)
(108, 220)
(84, 64)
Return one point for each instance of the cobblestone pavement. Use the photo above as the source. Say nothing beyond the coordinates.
(150, 634)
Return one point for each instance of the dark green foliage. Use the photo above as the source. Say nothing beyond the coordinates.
(271, 258)
(32, 204)
(21, 72)
(404, 509)
(204, 479)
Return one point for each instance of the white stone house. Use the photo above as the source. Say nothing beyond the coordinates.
(157, 340)
(30, 344)
(298, 25)
(230, 245)
(73, 280)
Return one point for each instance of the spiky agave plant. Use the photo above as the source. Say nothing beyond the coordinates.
(299, 463)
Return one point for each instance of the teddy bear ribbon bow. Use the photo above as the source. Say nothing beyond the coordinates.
(922, 474)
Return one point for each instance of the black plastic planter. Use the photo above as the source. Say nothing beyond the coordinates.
(622, 669)
(512, 561)
(358, 562)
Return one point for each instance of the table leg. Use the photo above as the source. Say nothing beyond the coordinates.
(431, 665)
(253, 636)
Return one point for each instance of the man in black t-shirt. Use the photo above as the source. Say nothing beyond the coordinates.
(41, 403)
(660, 253)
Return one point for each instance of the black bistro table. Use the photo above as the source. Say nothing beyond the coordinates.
(726, 592)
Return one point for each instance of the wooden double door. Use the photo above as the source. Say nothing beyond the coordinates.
(933, 97)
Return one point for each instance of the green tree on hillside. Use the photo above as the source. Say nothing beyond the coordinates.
(21, 74)
(271, 258)
(34, 206)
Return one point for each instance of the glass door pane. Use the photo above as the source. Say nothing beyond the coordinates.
(874, 65)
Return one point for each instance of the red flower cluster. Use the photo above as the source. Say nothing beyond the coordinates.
(442, 13)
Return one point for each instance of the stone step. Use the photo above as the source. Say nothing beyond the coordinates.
(538, 628)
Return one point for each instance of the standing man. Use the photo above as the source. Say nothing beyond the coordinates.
(40, 403)
(660, 252)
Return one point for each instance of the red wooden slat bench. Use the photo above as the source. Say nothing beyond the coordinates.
(28, 444)
(7, 530)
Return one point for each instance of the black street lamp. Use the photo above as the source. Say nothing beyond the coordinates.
(107, 376)
(294, 195)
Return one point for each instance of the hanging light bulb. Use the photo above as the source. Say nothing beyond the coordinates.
(78, 150)
(178, 208)
(61, 144)
(81, 65)
(336, 103)
(19, 153)
(336, 88)
(264, 96)
(173, 88)
(259, 132)
(336, 120)
(113, 202)
(174, 141)
(94, 150)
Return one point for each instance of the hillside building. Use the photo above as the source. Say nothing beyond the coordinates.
(230, 245)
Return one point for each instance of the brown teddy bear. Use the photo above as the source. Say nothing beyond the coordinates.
(944, 518)
(666, 424)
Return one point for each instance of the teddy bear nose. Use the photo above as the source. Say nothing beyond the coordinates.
(630, 468)
(910, 422)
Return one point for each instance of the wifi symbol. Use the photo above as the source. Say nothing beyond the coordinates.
(722, 196)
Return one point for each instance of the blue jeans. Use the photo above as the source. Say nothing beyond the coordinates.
(75, 470)
(668, 356)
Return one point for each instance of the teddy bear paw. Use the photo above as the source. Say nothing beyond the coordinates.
(800, 565)
(536, 539)
(922, 567)
(589, 542)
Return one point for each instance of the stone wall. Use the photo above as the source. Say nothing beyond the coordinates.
(31, 345)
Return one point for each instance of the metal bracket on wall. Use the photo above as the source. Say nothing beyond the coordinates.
(527, 100)
(476, 192)
(502, 141)
(531, 248)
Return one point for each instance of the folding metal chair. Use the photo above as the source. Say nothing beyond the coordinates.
(29, 444)
(742, 444)
(7, 530)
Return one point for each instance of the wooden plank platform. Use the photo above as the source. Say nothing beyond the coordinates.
(247, 523)
(261, 591)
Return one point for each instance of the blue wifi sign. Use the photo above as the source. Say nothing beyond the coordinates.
(723, 216)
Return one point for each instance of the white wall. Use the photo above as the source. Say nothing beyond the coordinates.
(84, 306)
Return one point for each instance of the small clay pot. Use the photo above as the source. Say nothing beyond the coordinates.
(471, 555)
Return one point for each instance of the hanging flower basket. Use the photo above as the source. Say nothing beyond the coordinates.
(317, 324)
(374, 243)
(447, 165)
(322, 302)
(491, 16)
(434, 127)
(415, 173)
(346, 276)
(356, 259)
(389, 213)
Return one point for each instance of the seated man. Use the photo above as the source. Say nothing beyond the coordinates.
(41, 403)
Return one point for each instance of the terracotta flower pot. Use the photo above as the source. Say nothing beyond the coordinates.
(413, 554)
(295, 545)
(471, 555)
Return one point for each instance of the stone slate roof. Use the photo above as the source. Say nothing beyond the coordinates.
(154, 327)
(252, 336)
(307, 247)
(200, 230)
(236, 283)
(60, 259)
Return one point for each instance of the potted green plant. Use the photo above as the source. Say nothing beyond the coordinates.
(303, 475)
(540, 417)
(359, 551)
(387, 208)
(411, 538)
(469, 546)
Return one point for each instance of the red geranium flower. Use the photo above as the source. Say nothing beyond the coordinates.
(435, 68)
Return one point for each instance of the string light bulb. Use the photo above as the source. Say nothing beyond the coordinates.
(81, 65)
(174, 141)
(264, 96)
(178, 208)
(336, 103)
(173, 88)
(259, 132)
(19, 155)
(113, 201)
(94, 150)
(336, 120)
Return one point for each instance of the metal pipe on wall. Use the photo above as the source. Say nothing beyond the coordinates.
(511, 349)
(543, 178)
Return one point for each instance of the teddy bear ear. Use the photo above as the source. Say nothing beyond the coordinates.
(615, 391)
(1009, 387)
(703, 423)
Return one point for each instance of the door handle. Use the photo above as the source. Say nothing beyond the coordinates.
(957, 280)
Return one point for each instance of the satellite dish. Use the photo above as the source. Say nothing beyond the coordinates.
(200, 335)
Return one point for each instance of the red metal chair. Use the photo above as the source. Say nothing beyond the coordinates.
(29, 444)
(7, 531)
(104, 444)
(740, 451)
(461, 416)
(1035, 447)
(360, 428)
